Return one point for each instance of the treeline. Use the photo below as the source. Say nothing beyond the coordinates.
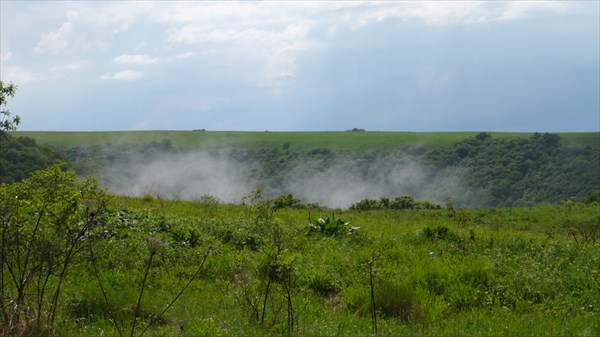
(477, 172)
(491, 172)
(402, 202)
(523, 171)
(20, 156)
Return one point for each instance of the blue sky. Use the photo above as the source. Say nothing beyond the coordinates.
(303, 66)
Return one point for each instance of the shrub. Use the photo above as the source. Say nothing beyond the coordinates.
(402, 202)
(322, 282)
(439, 232)
(45, 218)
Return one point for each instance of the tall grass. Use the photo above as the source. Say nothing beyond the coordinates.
(510, 272)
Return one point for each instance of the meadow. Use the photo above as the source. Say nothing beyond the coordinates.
(276, 267)
(297, 141)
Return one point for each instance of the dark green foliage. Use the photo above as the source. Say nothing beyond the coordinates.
(399, 203)
(490, 171)
(286, 201)
(523, 171)
(439, 233)
(20, 156)
(367, 205)
(7, 123)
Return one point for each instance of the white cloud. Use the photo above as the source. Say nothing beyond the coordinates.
(125, 75)
(274, 48)
(439, 13)
(91, 26)
(186, 55)
(17, 74)
(194, 34)
(135, 59)
(70, 66)
(235, 12)
(56, 41)
(274, 33)
(270, 34)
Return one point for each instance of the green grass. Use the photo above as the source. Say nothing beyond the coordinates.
(493, 272)
(510, 272)
(354, 141)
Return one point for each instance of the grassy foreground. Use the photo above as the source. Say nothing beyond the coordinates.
(500, 272)
(297, 141)
(77, 262)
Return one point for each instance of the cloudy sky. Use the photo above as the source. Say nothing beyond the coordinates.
(303, 66)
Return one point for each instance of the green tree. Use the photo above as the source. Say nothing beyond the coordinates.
(6, 122)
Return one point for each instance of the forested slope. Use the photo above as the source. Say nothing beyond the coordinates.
(19, 156)
(480, 171)
(524, 171)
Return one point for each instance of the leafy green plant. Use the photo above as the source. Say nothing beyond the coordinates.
(44, 220)
(439, 232)
(6, 122)
(330, 227)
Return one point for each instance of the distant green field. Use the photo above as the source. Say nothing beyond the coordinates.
(341, 140)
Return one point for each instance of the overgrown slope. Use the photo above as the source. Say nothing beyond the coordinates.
(481, 171)
(20, 156)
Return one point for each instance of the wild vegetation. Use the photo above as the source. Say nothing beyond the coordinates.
(20, 156)
(79, 262)
(479, 171)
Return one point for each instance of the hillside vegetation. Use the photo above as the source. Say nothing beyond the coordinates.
(479, 171)
(20, 156)
(483, 170)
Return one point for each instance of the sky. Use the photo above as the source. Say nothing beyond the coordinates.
(303, 66)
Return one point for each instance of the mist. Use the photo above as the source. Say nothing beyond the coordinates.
(347, 181)
(180, 176)
(335, 180)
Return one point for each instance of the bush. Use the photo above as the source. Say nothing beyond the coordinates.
(322, 282)
(45, 219)
(439, 233)
(402, 202)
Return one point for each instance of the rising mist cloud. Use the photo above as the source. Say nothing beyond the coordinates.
(336, 180)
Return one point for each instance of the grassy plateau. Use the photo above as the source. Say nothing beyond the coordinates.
(338, 140)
